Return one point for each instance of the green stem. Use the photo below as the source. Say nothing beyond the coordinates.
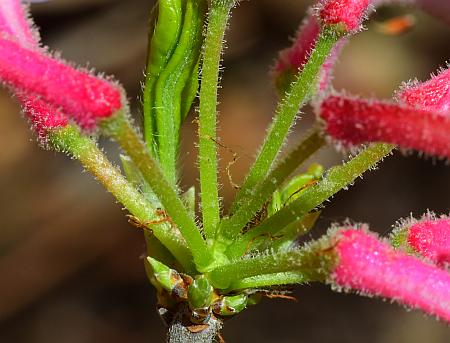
(268, 280)
(299, 93)
(336, 179)
(231, 227)
(121, 130)
(212, 50)
(86, 151)
(306, 261)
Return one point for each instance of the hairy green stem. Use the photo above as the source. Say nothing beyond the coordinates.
(121, 130)
(299, 93)
(307, 261)
(212, 50)
(231, 227)
(71, 141)
(336, 179)
(268, 280)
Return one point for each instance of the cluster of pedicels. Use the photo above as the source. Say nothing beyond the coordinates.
(412, 266)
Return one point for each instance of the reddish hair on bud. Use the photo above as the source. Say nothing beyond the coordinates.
(372, 267)
(15, 25)
(349, 13)
(353, 121)
(42, 116)
(432, 95)
(83, 96)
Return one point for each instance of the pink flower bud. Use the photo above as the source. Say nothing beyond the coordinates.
(432, 95)
(353, 121)
(78, 93)
(372, 267)
(14, 25)
(296, 56)
(43, 117)
(430, 237)
(349, 13)
(291, 60)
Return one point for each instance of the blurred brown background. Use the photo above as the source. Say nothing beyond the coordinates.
(71, 267)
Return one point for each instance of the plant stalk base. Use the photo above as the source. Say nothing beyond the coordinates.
(181, 329)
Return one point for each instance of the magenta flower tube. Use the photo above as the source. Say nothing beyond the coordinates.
(348, 13)
(43, 117)
(352, 121)
(432, 95)
(372, 267)
(85, 97)
(430, 237)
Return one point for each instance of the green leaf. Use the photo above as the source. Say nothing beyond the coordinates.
(189, 200)
(294, 188)
(168, 279)
(163, 42)
(172, 78)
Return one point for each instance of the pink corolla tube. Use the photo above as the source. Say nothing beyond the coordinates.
(80, 94)
(352, 121)
(351, 14)
(290, 61)
(30, 71)
(293, 58)
(348, 13)
(430, 237)
(43, 117)
(15, 25)
(432, 95)
(372, 267)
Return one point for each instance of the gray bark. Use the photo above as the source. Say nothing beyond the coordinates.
(181, 329)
